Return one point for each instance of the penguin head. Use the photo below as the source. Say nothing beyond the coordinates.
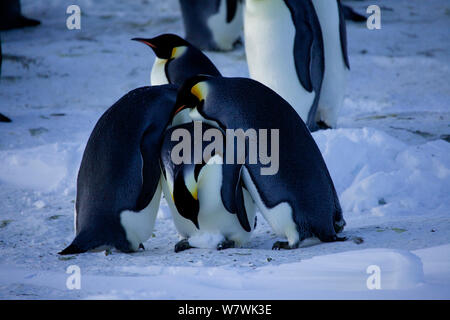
(192, 93)
(166, 46)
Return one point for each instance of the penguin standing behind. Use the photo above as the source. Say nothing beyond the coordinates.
(118, 185)
(337, 66)
(3, 118)
(284, 49)
(212, 24)
(176, 60)
(298, 201)
(210, 206)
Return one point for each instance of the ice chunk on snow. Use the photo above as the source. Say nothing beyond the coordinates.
(377, 174)
(42, 168)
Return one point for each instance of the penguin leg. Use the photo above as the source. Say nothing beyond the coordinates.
(141, 246)
(226, 244)
(182, 245)
(284, 245)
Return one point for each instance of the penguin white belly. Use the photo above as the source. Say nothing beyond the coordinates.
(336, 72)
(269, 46)
(158, 74)
(213, 218)
(215, 222)
(279, 217)
(139, 225)
(225, 34)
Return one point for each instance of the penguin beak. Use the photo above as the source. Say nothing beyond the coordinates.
(146, 41)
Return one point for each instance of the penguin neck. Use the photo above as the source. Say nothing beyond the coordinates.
(158, 75)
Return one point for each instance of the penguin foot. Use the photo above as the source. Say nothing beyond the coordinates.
(283, 245)
(182, 245)
(141, 246)
(226, 244)
(339, 225)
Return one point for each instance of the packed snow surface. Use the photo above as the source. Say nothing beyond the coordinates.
(389, 159)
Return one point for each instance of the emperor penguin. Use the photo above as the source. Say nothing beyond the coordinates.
(299, 200)
(337, 66)
(284, 49)
(118, 184)
(210, 205)
(176, 60)
(212, 24)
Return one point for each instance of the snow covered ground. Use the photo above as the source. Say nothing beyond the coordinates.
(390, 160)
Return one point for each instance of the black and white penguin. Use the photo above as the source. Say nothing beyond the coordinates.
(284, 49)
(212, 24)
(118, 185)
(176, 60)
(300, 200)
(209, 204)
(11, 16)
(337, 66)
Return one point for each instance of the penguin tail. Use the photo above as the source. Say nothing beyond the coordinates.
(83, 242)
(72, 249)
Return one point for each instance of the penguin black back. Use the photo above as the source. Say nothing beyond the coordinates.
(120, 167)
(303, 180)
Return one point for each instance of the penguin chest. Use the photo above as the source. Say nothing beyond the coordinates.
(269, 45)
(336, 72)
(224, 33)
(158, 75)
(214, 221)
(213, 218)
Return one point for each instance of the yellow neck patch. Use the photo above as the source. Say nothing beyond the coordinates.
(177, 51)
(200, 90)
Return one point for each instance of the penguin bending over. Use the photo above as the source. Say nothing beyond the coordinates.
(176, 60)
(212, 24)
(118, 185)
(209, 203)
(300, 200)
(284, 49)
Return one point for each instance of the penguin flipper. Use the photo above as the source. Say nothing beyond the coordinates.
(306, 21)
(151, 172)
(232, 193)
(231, 9)
(343, 33)
(240, 204)
(186, 204)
